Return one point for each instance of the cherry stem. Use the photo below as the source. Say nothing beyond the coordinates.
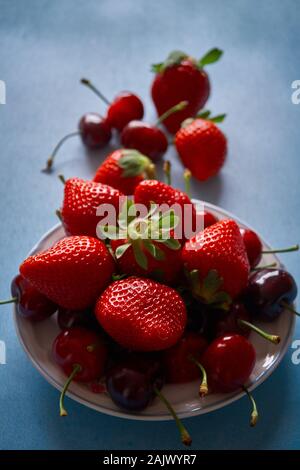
(62, 410)
(267, 266)
(289, 307)
(150, 171)
(203, 389)
(58, 213)
(275, 339)
(50, 160)
(178, 107)
(13, 300)
(254, 413)
(282, 250)
(92, 87)
(187, 181)
(167, 172)
(185, 437)
(62, 179)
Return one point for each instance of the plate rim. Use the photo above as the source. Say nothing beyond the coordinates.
(163, 417)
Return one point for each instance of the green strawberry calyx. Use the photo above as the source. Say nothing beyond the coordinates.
(206, 115)
(134, 163)
(208, 291)
(143, 234)
(177, 56)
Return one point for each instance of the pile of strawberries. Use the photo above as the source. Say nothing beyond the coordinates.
(135, 311)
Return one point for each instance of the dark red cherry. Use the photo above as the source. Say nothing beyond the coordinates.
(177, 360)
(125, 107)
(146, 138)
(228, 322)
(30, 303)
(208, 218)
(229, 362)
(269, 292)
(95, 131)
(67, 318)
(253, 246)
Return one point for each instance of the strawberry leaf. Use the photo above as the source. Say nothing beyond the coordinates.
(140, 256)
(121, 250)
(204, 114)
(208, 291)
(133, 163)
(218, 118)
(174, 58)
(172, 243)
(124, 218)
(210, 57)
(110, 231)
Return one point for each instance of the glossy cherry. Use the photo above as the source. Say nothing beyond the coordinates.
(177, 360)
(124, 108)
(208, 218)
(30, 303)
(94, 130)
(269, 292)
(67, 318)
(82, 356)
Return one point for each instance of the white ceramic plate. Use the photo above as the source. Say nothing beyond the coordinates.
(37, 340)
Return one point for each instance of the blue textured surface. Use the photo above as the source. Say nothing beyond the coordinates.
(45, 47)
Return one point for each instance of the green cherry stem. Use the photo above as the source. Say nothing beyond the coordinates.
(254, 413)
(167, 172)
(203, 389)
(187, 181)
(76, 368)
(92, 87)
(50, 160)
(13, 300)
(178, 107)
(282, 250)
(275, 339)
(62, 179)
(267, 266)
(289, 307)
(185, 437)
(58, 213)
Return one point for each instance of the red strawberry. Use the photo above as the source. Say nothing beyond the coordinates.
(217, 262)
(181, 78)
(150, 191)
(124, 170)
(177, 360)
(202, 147)
(81, 200)
(72, 273)
(141, 314)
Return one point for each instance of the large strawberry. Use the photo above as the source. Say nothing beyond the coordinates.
(72, 273)
(217, 263)
(145, 245)
(160, 193)
(181, 78)
(202, 146)
(124, 169)
(81, 200)
(141, 314)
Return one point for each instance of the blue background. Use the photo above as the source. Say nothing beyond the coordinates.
(45, 48)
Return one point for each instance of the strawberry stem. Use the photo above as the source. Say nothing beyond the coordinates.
(289, 307)
(275, 339)
(167, 172)
(203, 389)
(282, 250)
(50, 160)
(92, 87)
(185, 437)
(13, 300)
(254, 413)
(62, 410)
(178, 107)
(187, 181)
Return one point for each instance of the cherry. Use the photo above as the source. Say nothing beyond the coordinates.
(31, 304)
(134, 381)
(82, 356)
(177, 360)
(254, 247)
(95, 132)
(208, 218)
(67, 318)
(124, 108)
(149, 139)
(269, 293)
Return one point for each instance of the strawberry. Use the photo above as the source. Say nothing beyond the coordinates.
(144, 245)
(202, 146)
(217, 263)
(177, 360)
(150, 191)
(181, 78)
(124, 170)
(141, 314)
(81, 200)
(72, 273)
